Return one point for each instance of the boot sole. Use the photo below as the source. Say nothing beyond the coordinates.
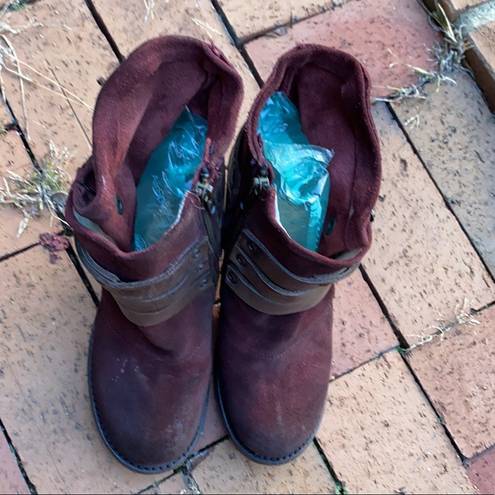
(260, 459)
(128, 464)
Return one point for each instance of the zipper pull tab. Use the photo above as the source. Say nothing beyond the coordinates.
(204, 190)
(261, 182)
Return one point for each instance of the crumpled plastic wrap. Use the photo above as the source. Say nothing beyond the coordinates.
(167, 177)
(301, 177)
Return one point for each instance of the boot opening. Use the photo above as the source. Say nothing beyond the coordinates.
(167, 177)
(152, 121)
(330, 91)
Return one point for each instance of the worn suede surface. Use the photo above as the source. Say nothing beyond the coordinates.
(273, 397)
(273, 371)
(149, 384)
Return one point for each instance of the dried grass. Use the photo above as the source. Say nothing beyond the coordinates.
(25, 73)
(462, 316)
(447, 55)
(33, 193)
(149, 5)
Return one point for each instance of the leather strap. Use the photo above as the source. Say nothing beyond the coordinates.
(259, 279)
(151, 301)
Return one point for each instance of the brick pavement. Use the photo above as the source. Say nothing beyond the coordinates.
(397, 420)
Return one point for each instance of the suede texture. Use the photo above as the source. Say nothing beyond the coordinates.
(273, 371)
(149, 385)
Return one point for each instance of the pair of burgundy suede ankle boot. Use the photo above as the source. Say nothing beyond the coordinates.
(151, 354)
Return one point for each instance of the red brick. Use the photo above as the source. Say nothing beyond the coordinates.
(173, 485)
(457, 373)
(360, 331)
(60, 40)
(127, 25)
(377, 32)
(381, 435)
(226, 470)
(481, 472)
(454, 136)
(46, 317)
(460, 5)
(421, 263)
(249, 18)
(11, 480)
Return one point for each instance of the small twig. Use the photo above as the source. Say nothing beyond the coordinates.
(205, 26)
(412, 121)
(46, 88)
(73, 97)
(150, 13)
(462, 316)
(21, 84)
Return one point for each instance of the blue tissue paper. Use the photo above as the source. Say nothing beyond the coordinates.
(167, 177)
(302, 181)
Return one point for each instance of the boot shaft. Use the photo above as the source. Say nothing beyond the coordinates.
(331, 91)
(136, 108)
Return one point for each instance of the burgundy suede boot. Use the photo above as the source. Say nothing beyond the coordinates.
(151, 350)
(274, 348)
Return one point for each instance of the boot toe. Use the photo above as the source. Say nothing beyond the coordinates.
(274, 432)
(149, 412)
(147, 448)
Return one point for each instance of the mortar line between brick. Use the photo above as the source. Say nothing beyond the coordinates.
(236, 41)
(5, 257)
(156, 483)
(210, 445)
(244, 40)
(402, 340)
(82, 274)
(104, 29)
(339, 484)
(364, 363)
(70, 252)
(486, 306)
(405, 345)
(23, 136)
(180, 469)
(437, 186)
(190, 482)
(20, 465)
(441, 420)
(476, 456)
